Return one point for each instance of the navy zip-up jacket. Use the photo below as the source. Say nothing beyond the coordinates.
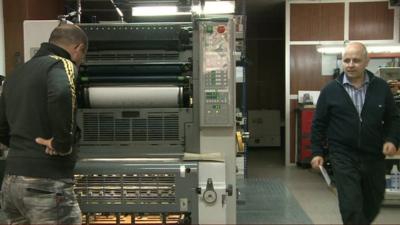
(337, 123)
(38, 100)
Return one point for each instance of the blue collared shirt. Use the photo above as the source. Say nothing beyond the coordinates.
(357, 95)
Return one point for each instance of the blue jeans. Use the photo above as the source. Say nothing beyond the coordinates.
(27, 200)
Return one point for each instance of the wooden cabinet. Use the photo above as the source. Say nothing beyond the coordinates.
(305, 69)
(326, 21)
(313, 22)
(371, 21)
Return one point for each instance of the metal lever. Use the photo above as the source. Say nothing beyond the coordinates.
(209, 195)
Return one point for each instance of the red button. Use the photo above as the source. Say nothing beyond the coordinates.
(221, 29)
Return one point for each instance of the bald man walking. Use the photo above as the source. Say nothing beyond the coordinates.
(357, 117)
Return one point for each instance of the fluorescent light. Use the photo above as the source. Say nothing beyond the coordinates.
(371, 49)
(218, 7)
(330, 49)
(383, 49)
(210, 7)
(157, 11)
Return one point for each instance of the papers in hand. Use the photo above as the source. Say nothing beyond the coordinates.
(325, 175)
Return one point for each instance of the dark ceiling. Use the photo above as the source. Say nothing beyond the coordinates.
(271, 9)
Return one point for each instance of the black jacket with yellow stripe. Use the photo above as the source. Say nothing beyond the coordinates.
(38, 100)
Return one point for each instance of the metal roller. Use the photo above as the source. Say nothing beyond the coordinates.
(134, 79)
(134, 97)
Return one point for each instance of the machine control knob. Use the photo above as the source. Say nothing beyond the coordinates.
(209, 195)
(221, 29)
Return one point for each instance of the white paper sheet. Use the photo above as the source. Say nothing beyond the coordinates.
(325, 175)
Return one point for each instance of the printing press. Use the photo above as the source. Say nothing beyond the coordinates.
(155, 101)
(139, 114)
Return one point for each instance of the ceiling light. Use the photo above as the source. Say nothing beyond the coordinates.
(157, 11)
(210, 7)
(383, 49)
(325, 49)
(216, 7)
(330, 49)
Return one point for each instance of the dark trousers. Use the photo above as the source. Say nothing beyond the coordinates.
(361, 187)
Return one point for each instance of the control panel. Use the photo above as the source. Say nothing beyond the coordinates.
(216, 73)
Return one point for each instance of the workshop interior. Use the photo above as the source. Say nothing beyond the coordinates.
(200, 111)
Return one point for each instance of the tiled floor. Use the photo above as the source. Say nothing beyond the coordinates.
(307, 188)
(268, 201)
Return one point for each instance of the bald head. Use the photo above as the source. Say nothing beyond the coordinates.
(358, 46)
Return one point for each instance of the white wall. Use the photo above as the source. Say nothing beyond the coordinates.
(2, 49)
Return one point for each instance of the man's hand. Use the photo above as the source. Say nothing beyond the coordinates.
(47, 142)
(389, 149)
(317, 161)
